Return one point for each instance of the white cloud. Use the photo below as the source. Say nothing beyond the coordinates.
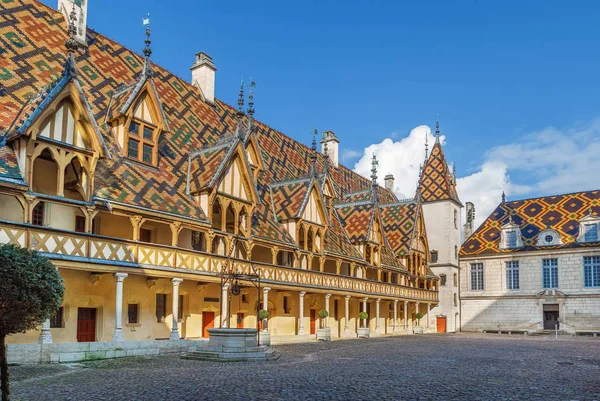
(347, 155)
(401, 159)
(551, 161)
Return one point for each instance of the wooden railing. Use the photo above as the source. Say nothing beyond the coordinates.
(98, 248)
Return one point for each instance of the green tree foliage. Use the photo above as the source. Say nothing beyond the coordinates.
(31, 290)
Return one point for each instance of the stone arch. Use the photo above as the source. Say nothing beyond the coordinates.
(46, 172)
(230, 222)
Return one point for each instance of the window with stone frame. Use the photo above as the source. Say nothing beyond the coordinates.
(79, 224)
(591, 271)
(455, 280)
(455, 297)
(442, 279)
(550, 273)
(512, 275)
(477, 277)
(133, 313)
(57, 319)
(433, 256)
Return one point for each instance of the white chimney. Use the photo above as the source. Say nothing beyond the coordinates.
(203, 76)
(332, 142)
(66, 6)
(389, 182)
(470, 221)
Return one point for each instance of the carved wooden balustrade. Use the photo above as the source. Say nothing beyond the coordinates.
(98, 249)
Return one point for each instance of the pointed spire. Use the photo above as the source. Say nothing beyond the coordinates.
(251, 101)
(503, 197)
(326, 153)
(147, 50)
(437, 128)
(426, 147)
(71, 44)
(313, 155)
(374, 164)
(240, 113)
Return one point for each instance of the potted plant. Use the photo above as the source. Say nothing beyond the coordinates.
(418, 329)
(265, 336)
(363, 330)
(324, 332)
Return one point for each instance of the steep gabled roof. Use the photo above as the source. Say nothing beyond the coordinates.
(337, 242)
(561, 213)
(437, 182)
(356, 219)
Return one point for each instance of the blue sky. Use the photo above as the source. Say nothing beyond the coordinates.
(496, 72)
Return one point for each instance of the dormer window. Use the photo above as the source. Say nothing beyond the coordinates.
(590, 232)
(511, 236)
(548, 237)
(588, 228)
(141, 141)
(511, 239)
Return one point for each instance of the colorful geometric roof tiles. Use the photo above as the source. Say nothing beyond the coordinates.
(399, 223)
(110, 76)
(437, 182)
(561, 213)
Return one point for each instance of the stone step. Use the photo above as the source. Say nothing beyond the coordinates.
(232, 357)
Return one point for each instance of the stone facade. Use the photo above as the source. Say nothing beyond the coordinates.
(497, 308)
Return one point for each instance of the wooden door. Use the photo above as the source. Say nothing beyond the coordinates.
(240, 320)
(313, 321)
(208, 322)
(86, 324)
(441, 324)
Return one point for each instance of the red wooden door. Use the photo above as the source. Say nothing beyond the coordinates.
(441, 324)
(313, 321)
(86, 324)
(240, 320)
(208, 322)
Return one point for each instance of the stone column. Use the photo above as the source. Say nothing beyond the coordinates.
(417, 311)
(428, 310)
(266, 303)
(405, 315)
(347, 311)
(301, 318)
(225, 306)
(377, 302)
(327, 296)
(46, 334)
(364, 310)
(118, 334)
(175, 304)
(395, 323)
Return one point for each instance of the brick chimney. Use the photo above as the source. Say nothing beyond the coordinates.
(203, 76)
(332, 142)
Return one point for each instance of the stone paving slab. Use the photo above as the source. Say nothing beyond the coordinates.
(425, 367)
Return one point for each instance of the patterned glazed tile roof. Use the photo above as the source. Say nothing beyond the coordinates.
(337, 242)
(32, 56)
(399, 223)
(289, 197)
(356, 219)
(437, 181)
(561, 213)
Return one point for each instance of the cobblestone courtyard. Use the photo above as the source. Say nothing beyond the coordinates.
(448, 367)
